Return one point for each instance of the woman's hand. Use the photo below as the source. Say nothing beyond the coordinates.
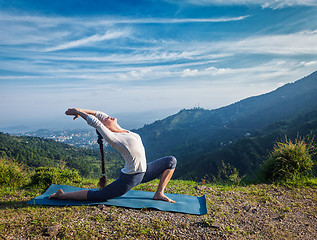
(73, 112)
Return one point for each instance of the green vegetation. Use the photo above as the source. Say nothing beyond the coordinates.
(45, 176)
(235, 210)
(290, 161)
(11, 173)
(35, 152)
(227, 174)
(15, 176)
(247, 155)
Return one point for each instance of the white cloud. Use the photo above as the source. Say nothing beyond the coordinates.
(274, 4)
(109, 21)
(311, 63)
(216, 71)
(303, 42)
(175, 20)
(39, 21)
(152, 62)
(58, 33)
(298, 43)
(167, 59)
(135, 74)
(51, 22)
(189, 73)
(88, 40)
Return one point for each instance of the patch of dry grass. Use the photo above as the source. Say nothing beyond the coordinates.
(234, 212)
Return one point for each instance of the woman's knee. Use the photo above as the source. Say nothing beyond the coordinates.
(172, 162)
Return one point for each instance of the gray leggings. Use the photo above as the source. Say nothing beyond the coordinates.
(127, 181)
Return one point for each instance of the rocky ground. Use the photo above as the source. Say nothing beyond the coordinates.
(234, 212)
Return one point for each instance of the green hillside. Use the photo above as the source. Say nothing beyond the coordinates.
(36, 152)
(247, 154)
(193, 134)
(197, 129)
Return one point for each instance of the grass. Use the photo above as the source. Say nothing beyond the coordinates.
(255, 211)
(252, 211)
(290, 160)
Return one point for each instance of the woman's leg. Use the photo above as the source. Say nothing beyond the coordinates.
(116, 188)
(164, 166)
(78, 195)
(165, 178)
(113, 190)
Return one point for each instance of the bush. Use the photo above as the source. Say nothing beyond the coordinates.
(45, 176)
(289, 160)
(227, 174)
(11, 173)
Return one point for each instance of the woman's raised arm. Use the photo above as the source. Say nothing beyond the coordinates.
(76, 112)
(89, 112)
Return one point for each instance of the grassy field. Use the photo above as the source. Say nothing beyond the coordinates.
(256, 211)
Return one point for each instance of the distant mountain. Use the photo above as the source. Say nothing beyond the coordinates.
(249, 153)
(15, 129)
(193, 132)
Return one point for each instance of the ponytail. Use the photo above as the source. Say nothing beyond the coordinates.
(103, 180)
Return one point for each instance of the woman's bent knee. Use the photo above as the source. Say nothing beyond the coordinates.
(172, 162)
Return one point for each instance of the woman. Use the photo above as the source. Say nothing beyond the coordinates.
(135, 171)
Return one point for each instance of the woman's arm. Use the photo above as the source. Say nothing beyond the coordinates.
(89, 112)
(98, 114)
(76, 112)
(92, 120)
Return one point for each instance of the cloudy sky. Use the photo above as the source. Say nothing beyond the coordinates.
(147, 57)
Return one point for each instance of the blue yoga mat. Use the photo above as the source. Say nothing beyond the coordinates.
(132, 199)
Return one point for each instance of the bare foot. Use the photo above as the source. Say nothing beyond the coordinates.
(162, 197)
(57, 195)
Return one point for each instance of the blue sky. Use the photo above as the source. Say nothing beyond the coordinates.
(129, 58)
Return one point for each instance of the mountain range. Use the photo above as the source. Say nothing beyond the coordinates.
(197, 137)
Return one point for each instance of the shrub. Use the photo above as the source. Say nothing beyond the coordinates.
(289, 160)
(11, 173)
(227, 174)
(45, 176)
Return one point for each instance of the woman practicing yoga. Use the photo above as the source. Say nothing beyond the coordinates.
(135, 171)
